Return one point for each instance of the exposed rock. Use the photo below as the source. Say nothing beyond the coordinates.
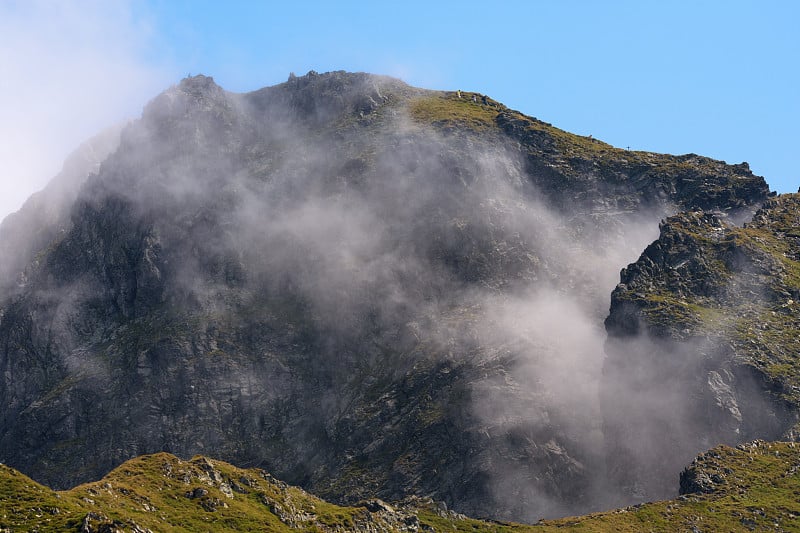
(703, 325)
(199, 492)
(724, 396)
(303, 278)
(44, 218)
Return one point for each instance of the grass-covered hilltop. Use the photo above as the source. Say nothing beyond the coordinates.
(753, 487)
(376, 291)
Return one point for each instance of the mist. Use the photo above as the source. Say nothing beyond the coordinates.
(364, 256)
(427, 253)
(70, 70)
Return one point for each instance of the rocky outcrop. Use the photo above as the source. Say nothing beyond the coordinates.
(705, 315)
(331, 278)
(723, 470)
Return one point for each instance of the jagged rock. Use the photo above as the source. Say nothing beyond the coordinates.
(724, 395)
(45, 215)
(100, 523)
(304, 277)
(198, 492)
(377, 506)
(705, 319)
(693, 481)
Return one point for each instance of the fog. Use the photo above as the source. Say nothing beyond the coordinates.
(70, 70)
(441, 246)
(401, 240)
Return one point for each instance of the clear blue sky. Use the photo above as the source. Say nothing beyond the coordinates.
(717, 78)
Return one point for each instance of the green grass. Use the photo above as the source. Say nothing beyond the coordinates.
(758, 489)
(448, 110)
(668, 310)
(758, 492)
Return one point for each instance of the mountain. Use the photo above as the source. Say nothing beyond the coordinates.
(751, 487)
(367, 289)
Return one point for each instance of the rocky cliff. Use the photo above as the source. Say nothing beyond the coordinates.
(371, 290)
(708, 314)
(45, 215)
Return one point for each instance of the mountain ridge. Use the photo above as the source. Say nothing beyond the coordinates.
(735, 489)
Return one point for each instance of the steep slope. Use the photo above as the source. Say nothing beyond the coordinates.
(749, 488)
(714, 307)
(367, 288)
(46, 214)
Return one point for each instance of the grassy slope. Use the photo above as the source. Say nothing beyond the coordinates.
(769, 333)
(755, 487)
(449, 111)
(163, 493)
(758, 489)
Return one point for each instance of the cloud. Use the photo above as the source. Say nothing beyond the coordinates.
(67, 70)
(357, 255)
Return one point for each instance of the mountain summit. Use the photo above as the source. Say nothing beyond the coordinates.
(366, 288)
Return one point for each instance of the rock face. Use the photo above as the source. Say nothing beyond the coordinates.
(46, 214)
(370, 289)
(704, 326)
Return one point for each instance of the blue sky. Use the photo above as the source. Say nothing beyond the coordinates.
(717, 78)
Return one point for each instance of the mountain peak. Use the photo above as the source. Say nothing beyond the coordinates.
(199, 85)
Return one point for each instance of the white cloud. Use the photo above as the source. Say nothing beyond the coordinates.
(67, 70)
